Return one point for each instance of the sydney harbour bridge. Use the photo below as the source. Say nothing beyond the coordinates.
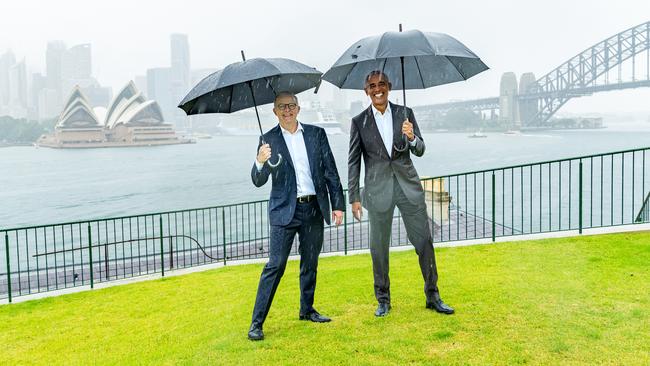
(532, 102)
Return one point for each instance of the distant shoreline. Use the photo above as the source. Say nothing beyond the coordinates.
(3, 144)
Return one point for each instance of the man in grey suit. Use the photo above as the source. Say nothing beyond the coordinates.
(391, 180)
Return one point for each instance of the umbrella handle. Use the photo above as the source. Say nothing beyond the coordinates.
(268, 162)
(274, 165)
(406, 145)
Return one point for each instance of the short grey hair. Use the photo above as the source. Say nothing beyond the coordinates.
(286, 94)
(381, 74)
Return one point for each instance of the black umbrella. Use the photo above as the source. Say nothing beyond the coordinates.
(248, 84)
(411, 60)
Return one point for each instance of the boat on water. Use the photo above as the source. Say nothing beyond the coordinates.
(243, 124)
(321, 117)
(477, 135)
(199, 135)
(512, 133)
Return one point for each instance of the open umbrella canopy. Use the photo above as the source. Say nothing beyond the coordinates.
(229, 90)
(430, 59)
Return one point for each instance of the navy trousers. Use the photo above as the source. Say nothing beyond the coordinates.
(307, 222)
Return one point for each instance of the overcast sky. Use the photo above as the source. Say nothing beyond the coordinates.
(509, 35)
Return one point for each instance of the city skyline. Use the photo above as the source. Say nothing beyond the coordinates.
(509, 36)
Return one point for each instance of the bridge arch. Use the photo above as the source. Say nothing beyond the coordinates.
(579, 75)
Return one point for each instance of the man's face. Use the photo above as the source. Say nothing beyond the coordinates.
(377, 89)
(286, 108)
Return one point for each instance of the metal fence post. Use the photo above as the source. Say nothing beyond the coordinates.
(345, 225)
(580, 199)
(223, 231)
(90, 256)
(493, 208)
(162, 256)
(8, 266)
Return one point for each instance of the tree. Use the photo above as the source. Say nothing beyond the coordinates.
(462, 119)
(21, 131)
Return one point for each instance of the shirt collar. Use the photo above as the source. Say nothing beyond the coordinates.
(300, 128)
(376, 111)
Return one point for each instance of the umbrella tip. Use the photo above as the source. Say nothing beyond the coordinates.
(242, 55)
(400, 28)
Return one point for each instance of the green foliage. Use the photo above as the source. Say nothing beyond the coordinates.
(581, 300)
(462, 119)
(22, 131)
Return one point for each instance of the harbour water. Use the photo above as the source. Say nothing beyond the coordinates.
(45, 186)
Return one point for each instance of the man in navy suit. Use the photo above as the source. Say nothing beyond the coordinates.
(299, 202)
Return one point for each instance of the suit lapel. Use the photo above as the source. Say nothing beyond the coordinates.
(308, 134)
(282, 146)
(397, 113)
(374, 130)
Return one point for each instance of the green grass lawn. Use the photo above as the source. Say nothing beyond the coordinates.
(581, 300)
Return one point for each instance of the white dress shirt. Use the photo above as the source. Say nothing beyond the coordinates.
(385, 127)
(298, 154)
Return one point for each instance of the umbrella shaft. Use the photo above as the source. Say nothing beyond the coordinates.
(401, 59)
(258, 121)
(250, 86)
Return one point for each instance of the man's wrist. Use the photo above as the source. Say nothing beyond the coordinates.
(414, 141)
(259, 165)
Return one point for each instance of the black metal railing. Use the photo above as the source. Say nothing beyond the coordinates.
(567, 194)
(644, 212)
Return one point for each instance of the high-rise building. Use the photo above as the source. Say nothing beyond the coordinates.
(77, 62)
(140, 82)
(7, 61)
(48, 104)
(180, 76)
(53, 64)
(18, 90)
(38, 84)
(76, 70)
(159, 89)
(180, 60)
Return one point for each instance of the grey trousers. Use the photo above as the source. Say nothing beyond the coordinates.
(418, 231)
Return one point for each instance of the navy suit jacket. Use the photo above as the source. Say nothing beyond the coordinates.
(282, 203)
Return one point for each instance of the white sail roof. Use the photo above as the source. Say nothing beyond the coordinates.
(130, 107)
(77, 112)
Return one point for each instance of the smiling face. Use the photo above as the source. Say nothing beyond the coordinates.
(286, 108)
(377, 88)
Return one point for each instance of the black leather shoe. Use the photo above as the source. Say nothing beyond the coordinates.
(440, 306)
(255, 333)
(382, 309)
(315, 317)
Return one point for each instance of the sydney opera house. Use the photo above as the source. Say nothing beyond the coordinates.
(129, 120)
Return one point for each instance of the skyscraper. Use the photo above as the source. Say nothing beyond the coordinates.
(76, 70)
(18, 90)
(159, 89)
(77, 62)
(67, 68)
(38, 84)
(53, 64)
(180, 60)
(179, 77)
(7, 61)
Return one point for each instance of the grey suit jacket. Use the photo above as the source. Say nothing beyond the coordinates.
(381, 165)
